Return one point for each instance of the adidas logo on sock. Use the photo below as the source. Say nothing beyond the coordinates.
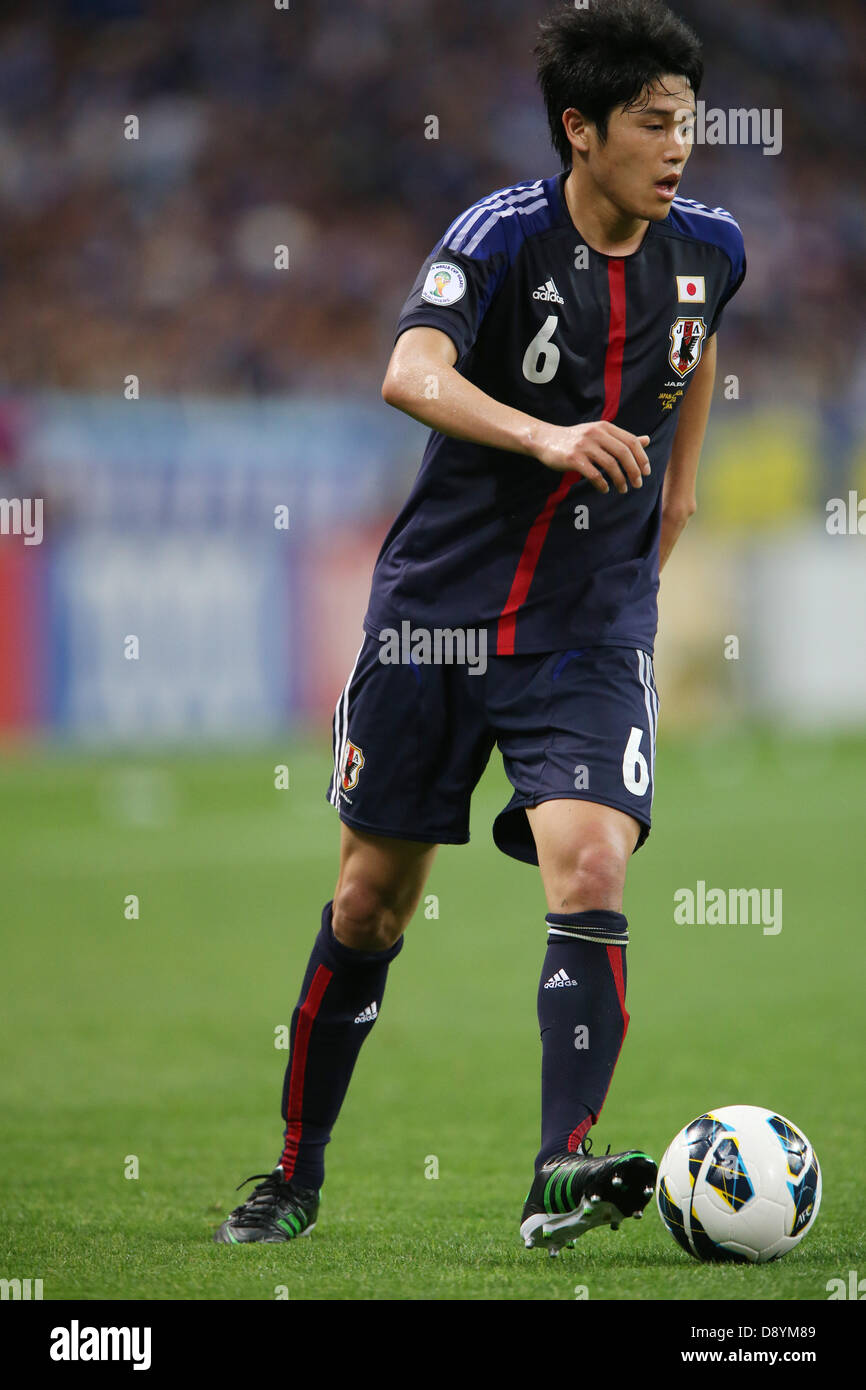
(549, 293)
(560, 981)
(369, 1014)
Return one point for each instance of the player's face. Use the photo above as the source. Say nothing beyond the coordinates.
(639, 165)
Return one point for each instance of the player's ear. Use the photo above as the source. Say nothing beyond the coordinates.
(576, 128)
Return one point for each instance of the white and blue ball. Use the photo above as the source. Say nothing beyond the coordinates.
(739, 1183)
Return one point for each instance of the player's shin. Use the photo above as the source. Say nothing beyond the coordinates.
(583, 1022)
(339, 1002)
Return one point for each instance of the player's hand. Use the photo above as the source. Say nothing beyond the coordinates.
(596, 449)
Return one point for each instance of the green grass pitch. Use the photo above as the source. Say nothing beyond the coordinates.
(154, 1037)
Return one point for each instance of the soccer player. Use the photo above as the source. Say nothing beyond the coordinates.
(560, 342)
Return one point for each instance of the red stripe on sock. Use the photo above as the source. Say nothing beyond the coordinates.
(506, 631)
(294, 1109)
(614, 955)
(577, 1136)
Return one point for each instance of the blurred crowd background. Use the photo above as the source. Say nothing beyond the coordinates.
(306, 126)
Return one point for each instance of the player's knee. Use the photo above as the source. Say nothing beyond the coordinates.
(364, 917)
(593, 877)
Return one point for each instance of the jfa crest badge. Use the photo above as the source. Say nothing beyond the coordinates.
(687, 341)
(353, 761)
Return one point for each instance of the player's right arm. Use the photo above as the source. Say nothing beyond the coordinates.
(422, 381)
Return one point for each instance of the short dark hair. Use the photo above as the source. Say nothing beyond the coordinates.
(606, 55)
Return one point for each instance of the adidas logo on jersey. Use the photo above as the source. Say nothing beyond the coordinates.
(369, 1014)
(560, 981)
(549, 293)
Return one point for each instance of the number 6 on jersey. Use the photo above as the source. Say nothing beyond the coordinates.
(541, 358)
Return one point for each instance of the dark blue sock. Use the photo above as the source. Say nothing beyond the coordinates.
(339, 1002)
(583, 1021)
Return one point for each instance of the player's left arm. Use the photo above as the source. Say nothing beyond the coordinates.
(679, 501)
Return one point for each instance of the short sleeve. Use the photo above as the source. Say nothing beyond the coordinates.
(735, 250)
(453, 290)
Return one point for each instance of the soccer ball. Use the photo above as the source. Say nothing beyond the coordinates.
(739, 1183)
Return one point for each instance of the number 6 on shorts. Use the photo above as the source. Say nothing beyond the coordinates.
(635, 773)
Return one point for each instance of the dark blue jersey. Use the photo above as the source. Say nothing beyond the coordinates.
(543, 323)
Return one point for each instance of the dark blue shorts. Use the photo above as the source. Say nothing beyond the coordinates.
(411, 741)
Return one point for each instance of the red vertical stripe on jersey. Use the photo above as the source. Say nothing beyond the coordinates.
(306, 1019)
(615, 339)
(526, 567)
(507, 628)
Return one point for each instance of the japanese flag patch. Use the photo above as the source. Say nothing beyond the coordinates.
(691, 289)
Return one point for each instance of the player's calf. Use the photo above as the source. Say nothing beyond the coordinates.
(583, 853)
(379, 885)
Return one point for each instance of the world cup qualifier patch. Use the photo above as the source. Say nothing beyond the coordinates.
(445, 283)
(353, 761)
(687, 341)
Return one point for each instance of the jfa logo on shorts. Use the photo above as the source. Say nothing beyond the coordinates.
(353, 761)
(687, 340)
